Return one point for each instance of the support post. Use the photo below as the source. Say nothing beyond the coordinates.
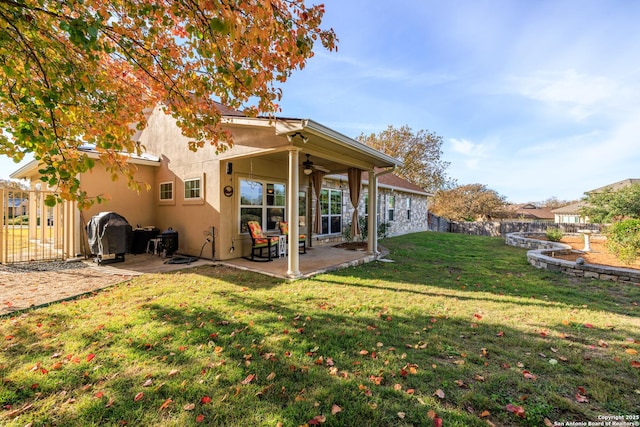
(372, 220)
(293, 260)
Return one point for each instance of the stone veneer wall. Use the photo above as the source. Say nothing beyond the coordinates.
(537, 256)
(401, 224)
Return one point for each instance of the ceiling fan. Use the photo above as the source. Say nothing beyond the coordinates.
(308, 167)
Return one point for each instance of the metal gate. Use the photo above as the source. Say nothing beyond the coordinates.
(30, 230)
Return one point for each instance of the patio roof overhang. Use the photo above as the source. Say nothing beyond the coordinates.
(338, 152)
(330, 151)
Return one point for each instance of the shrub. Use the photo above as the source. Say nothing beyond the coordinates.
(364, 230)
(554, 234)
(623, 240)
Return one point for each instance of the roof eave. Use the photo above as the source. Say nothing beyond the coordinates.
(385, 160)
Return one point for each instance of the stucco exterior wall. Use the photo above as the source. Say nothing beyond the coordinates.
(124, 201)
(194, 219)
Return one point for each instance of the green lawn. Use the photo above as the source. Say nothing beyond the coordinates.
(458, 329)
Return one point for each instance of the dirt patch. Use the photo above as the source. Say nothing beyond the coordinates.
(599, 253)
(353, 246)
(20, 290)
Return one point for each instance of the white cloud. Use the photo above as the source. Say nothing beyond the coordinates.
(468, 148)
(583, 94)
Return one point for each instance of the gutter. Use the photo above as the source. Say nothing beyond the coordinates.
(337, 137)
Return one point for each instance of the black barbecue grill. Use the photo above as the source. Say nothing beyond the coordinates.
(110, 237)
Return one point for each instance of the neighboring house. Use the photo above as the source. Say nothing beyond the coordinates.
(570, 214)
(16, 206)
(204, 192)
(615, 186)
(525, 212)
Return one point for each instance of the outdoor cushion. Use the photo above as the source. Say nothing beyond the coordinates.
(260, 241)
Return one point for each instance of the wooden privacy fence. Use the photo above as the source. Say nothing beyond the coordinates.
(31, 231)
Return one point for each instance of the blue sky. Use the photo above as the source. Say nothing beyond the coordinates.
(532, 98)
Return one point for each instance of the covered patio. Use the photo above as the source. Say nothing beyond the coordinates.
(298, 157)
(317, 260)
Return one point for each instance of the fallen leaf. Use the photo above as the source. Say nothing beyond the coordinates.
(631, 351)
(173, 372)
(548, 422)
(588, 325)
(500, 334)
(138, 396)
(90, 357)
(431, 414)
(271, 376)
(166, 404)
(200, 418)
(635, 364)
(401, 415)
(529, 375)
(335, 409)
(517, 410)
(437, 422)
(485, 414)
(189, 407)
(148, 383)
(205, 400)
(581, 398)
(249, 378)
(439, 393)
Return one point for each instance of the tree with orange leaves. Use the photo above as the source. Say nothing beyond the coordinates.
(86, 71)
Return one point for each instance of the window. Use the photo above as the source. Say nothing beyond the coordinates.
(409, 208)
(391, 207)
(331, 211)
(302, 209)
(192, 188)
(166, 191)
(263, 202)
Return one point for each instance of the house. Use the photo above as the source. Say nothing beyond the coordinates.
(278, 169)
(525, 212)
(16, 205)
(572, 213)
(615, 186)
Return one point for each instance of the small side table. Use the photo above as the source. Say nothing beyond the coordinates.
(282, 248)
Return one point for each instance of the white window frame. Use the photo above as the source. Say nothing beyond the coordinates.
(199, 189)
(160, 193)
(330, 215)
(264, 206)
(391, 207)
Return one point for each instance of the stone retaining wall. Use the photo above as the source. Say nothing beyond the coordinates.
(538, 256)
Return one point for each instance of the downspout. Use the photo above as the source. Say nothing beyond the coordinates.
(373, 225)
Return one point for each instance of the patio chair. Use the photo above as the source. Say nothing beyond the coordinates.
(302, 239)
(260, 242)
